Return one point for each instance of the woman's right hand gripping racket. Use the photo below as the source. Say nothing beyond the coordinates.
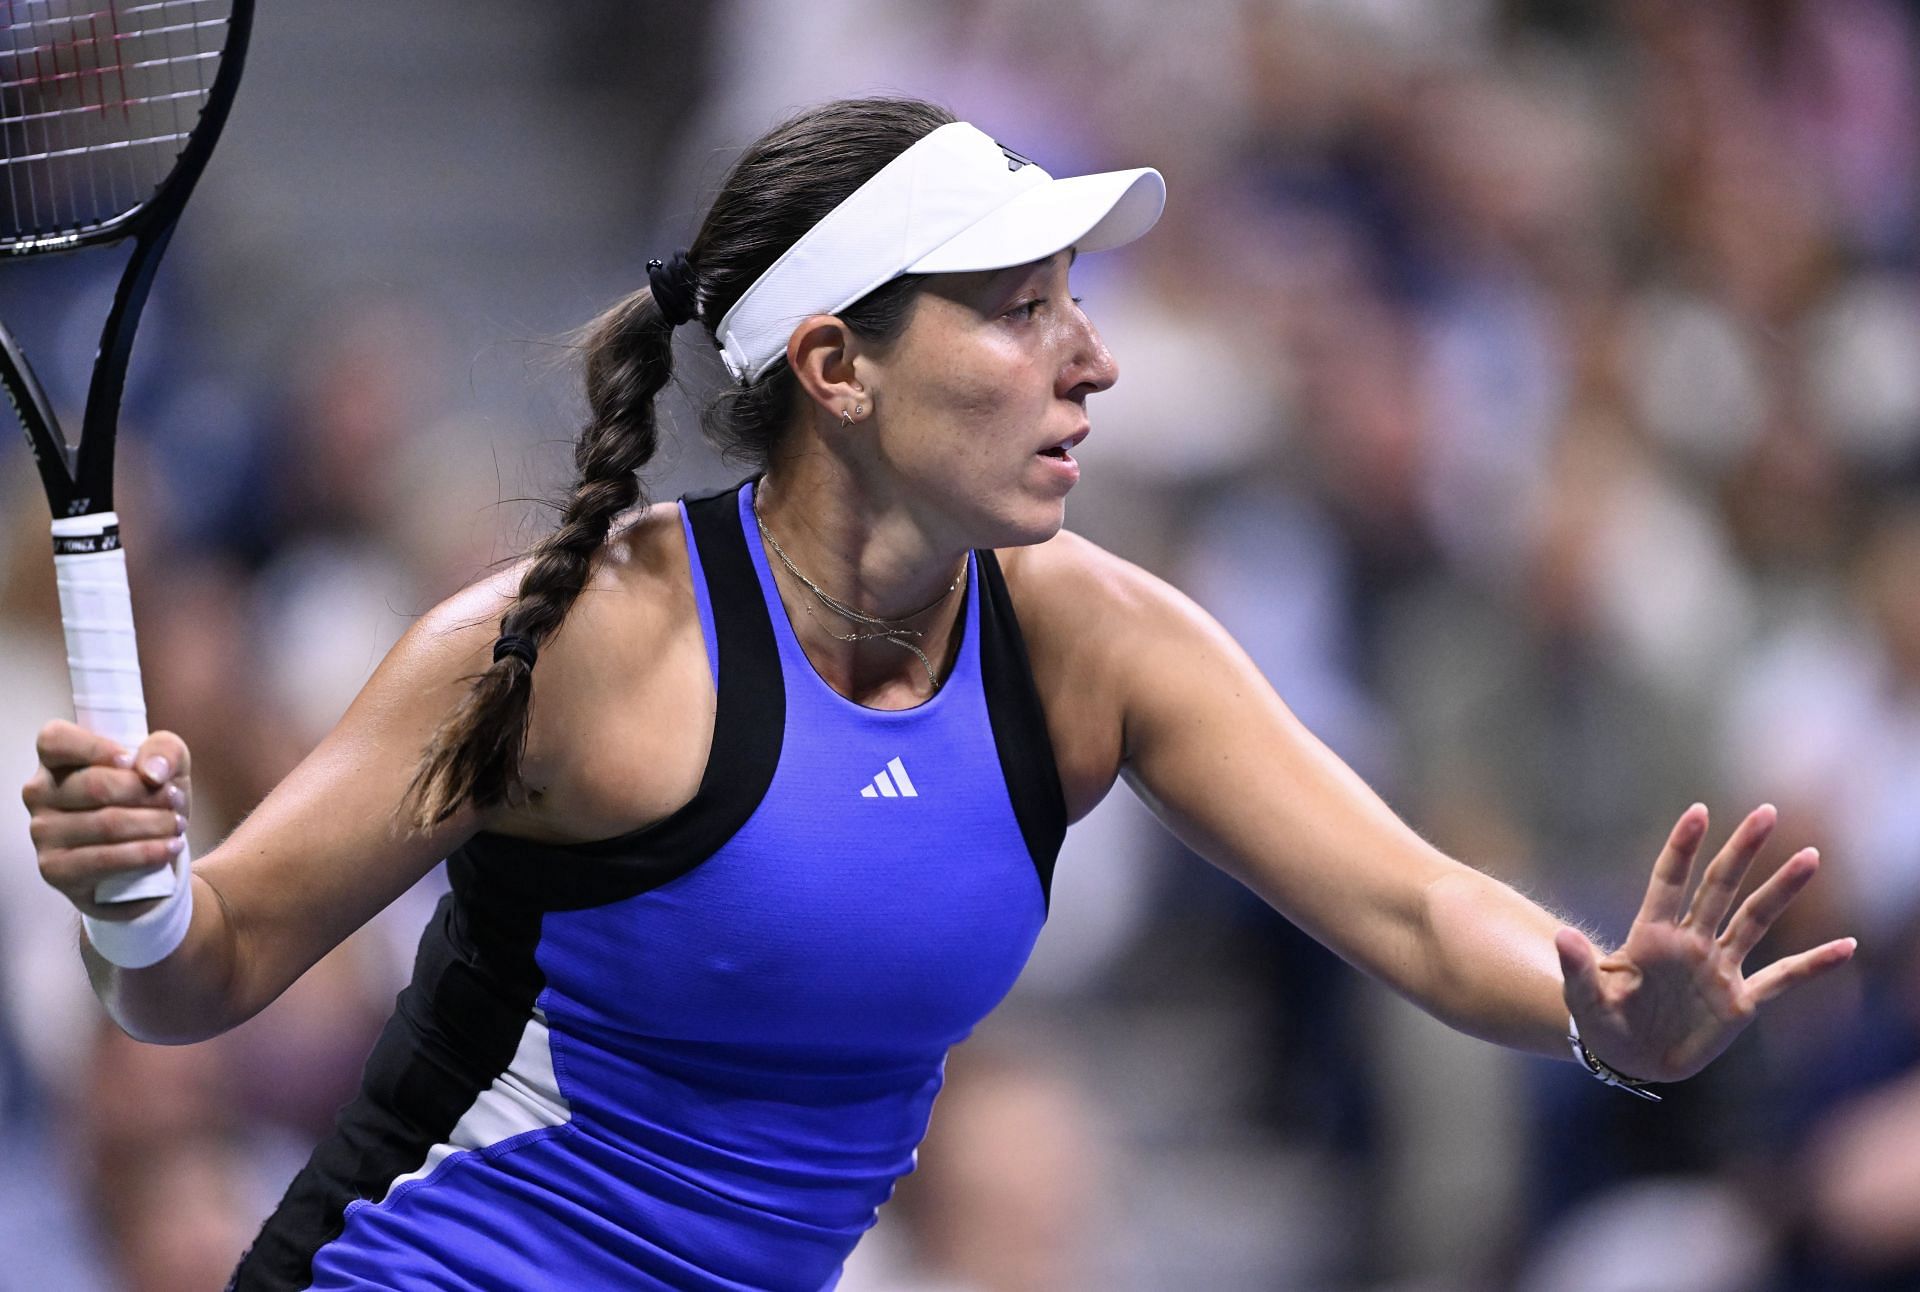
(108, 112)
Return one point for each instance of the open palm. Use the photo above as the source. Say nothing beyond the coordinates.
(1675, 994)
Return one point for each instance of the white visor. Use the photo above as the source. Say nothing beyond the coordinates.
(954, 202)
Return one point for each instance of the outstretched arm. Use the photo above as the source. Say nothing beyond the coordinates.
(1230, 769)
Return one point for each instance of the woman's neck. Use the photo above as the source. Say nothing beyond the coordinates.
(872, 599)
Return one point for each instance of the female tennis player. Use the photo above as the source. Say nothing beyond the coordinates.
(770, 823)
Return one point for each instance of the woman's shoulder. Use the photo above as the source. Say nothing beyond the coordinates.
(630, 591)
(637, 588)
(1097, 625)
(621, 689)
(1069, 581)
(1079, 607)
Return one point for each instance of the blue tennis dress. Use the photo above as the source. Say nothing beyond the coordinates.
(697, 1056)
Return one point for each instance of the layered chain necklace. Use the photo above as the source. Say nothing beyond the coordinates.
(892, 630)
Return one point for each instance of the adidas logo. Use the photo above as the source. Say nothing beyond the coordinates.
(896, 786)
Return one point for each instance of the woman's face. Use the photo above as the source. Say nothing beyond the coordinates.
(978, 402)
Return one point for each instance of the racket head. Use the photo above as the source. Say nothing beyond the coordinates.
(109, 110)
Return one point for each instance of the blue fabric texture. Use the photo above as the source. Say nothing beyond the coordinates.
(747, 1054)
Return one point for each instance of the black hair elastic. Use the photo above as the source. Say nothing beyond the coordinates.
(514, 644)
(673, 288)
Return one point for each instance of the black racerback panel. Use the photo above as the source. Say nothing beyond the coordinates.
(1020, 725)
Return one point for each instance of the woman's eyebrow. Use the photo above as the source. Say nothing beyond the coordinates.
(1001, 281)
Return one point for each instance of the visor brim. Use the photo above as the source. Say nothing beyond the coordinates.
(1091, 212)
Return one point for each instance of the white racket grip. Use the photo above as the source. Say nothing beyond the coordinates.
(96, 612)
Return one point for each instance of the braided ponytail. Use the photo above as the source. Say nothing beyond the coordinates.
(474, 756)
(782, 185)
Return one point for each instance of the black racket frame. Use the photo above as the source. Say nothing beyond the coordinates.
(79, 478)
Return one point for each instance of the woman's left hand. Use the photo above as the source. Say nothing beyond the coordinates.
(1674, 995)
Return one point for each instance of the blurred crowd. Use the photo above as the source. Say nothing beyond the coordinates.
(1532, 387)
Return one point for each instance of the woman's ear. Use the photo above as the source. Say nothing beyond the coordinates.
(821, 352)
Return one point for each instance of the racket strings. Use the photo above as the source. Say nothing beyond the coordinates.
(97, 100)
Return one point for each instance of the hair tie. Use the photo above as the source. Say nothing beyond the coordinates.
(673, 288)
(521, 648)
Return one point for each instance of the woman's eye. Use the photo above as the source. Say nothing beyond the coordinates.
(1028, 309)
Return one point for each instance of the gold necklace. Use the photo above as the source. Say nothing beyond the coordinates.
(892, 630)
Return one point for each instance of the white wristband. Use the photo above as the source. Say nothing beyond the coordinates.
(154, 935)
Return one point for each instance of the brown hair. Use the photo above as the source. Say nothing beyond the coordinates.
(784, 184)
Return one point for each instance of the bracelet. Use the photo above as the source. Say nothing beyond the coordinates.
(1601, 1072)
(150, 937)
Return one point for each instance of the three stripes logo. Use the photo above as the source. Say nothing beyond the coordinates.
(892, 783)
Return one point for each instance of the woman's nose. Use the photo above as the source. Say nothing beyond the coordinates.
(1094, 366)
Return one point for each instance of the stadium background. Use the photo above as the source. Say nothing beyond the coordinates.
(1530, 386)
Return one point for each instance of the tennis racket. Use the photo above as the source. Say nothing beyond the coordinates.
(108, 112)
